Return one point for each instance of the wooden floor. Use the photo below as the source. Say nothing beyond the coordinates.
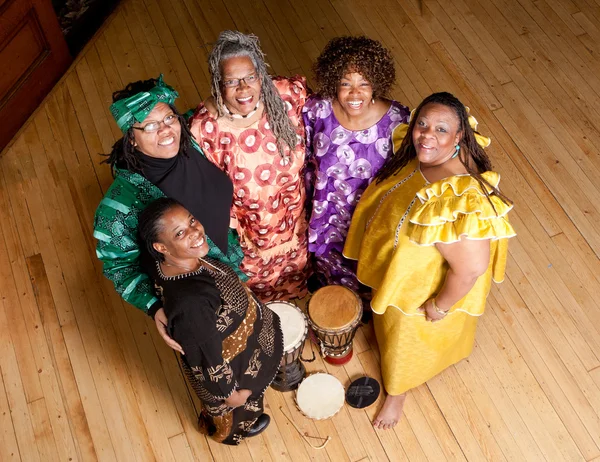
(85, 377)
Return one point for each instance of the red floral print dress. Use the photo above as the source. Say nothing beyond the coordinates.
(269, 197)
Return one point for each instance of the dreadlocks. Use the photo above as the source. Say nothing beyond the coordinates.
(471, 155)
(123, 153)
(233, 44)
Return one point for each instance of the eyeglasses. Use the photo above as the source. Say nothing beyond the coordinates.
(248, 80)
(152, 127)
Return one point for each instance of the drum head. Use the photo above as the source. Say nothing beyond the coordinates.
(334, 307)
(293, 323)
(320, 396)
(363, 392)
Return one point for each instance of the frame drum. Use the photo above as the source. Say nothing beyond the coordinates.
(320, 396)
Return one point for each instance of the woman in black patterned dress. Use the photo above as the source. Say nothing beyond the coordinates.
(233, 344)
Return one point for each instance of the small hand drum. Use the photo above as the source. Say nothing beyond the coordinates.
(320, 396)
(295, 329)
(334, 314)
(363, 392)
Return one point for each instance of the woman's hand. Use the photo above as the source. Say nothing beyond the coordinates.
(468, 259)
(160, 319)
(431, 314)
(238, 398)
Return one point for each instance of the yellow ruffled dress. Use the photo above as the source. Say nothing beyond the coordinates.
(392, 235)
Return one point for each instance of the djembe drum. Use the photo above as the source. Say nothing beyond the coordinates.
(295, 330)
(334, 314)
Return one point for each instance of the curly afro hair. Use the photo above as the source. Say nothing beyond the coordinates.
(361, 54)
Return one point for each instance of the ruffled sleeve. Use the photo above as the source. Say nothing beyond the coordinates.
(458, 206)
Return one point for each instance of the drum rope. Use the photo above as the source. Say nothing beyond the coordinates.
(304, 435)
(311, 350)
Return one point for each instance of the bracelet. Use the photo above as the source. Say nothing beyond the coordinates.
(437, 309)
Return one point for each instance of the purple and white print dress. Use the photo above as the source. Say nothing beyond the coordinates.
(346, 162)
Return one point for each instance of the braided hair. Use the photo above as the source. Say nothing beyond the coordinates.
(471, 155)
(123, 153)
(233, 44)
(150, 226)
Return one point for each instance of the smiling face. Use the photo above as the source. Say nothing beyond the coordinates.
(163, 143)
(182, 236)
(242, 98)
(436, 134)
(354, 93)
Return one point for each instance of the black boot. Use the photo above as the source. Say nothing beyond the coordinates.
(260, 425)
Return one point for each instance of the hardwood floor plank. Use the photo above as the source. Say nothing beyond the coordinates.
(488, 383)
(9, 448)
(510, 377)
(538, 355)
(15, 296)
(181, 448)
(42, 430)
(73, 429)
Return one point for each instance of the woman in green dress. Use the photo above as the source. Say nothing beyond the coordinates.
(157, 157)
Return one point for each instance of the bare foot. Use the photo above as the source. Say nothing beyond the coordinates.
(390, 413)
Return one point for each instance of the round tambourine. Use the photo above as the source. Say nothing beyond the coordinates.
(320, 396)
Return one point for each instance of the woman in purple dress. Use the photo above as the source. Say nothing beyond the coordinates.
(349, 125)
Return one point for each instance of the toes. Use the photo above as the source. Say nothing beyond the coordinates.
(385, 424)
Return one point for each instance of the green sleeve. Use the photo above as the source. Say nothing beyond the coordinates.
(115, 228)
(123, 269)
(234, 255)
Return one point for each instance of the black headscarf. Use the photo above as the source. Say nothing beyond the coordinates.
(202, 188)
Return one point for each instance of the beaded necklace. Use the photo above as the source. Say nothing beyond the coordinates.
(240, 116)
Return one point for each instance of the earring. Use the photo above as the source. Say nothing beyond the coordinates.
(373, 100)
(456, 152)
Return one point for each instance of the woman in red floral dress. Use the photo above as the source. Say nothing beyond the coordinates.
(252, 128)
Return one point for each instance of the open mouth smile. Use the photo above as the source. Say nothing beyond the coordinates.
(167, 141)
(198, 244)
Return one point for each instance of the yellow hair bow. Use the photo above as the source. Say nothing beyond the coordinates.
(401, 130)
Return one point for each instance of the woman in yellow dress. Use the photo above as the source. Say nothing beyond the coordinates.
(429, 235)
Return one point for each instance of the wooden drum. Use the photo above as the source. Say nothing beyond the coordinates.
(295, 330)
(334, 314)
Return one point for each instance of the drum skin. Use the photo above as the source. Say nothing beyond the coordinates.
(334, 307)
(334, 314)
(320, 396)
(294, 327)
(295, 330)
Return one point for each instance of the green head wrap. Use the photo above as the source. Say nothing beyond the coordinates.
(136, 108)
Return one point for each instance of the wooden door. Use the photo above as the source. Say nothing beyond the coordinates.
(33, 56)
